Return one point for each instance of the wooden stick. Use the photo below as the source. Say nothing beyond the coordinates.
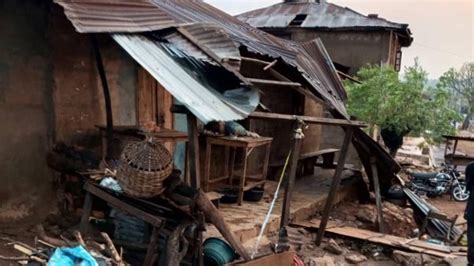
(335, 184)
(273, 82)
(54, 241)
(193, 145)
(285, 212)
(267, 67)
(378, 199)
(308, 119)
(213, 216)
(79, 238)
(111, 246)
(68, 242)
(46, 244)
(39, 260)
(13, 258)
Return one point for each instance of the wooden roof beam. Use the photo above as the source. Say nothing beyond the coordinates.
(308, 119)
(273, 82)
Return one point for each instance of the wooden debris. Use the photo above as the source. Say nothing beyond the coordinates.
(51, 240)
(177, 246)
(110, 245)
(39, 260)
(378, 238)
(79, 238)
(213, 216)
(23, 249)
(13, 258)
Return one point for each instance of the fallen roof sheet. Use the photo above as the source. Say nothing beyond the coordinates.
(204, 101)
(318, 15)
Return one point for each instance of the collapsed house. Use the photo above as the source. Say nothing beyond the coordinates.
(172, 63)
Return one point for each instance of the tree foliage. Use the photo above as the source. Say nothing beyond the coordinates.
(404, 105)
(461, 82)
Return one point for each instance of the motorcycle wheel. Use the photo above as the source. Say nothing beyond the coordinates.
(460, 192)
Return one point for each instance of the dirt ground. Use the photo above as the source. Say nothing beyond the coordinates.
(450, 207)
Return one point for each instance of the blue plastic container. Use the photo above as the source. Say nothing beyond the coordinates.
(217, 252)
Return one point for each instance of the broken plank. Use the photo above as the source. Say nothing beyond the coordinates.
(23, 249)
(424, 244)
(374, 237)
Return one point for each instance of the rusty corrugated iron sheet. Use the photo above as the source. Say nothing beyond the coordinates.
(184, 12)
(319, 15)
(149, 15)
(206, 102)
(115, 16)
(211, 36)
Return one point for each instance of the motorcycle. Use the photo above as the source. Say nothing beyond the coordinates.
(437, 184)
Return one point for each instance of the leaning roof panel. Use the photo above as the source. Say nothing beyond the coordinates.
(183, 12)
(202, 100)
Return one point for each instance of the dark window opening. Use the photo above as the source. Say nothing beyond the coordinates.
(398, 60)
(298, 20)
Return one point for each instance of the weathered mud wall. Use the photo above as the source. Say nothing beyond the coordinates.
(26, 113)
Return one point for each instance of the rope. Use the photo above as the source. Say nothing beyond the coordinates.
(267, 217)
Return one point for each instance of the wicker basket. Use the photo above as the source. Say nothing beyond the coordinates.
(143, 168)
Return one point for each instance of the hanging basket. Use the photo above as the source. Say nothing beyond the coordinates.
(143, 168)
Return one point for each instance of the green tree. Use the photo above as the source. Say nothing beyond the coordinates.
(461, 82)
(400, 106)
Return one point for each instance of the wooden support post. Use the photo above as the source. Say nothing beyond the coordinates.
(193, 141)
(297, 141)
(378, 198)
(86, 213)
(213, 216)
(152, 246)
(107, 100)
(245, 155)
(335, 184)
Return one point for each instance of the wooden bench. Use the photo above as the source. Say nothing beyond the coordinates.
(307, 161)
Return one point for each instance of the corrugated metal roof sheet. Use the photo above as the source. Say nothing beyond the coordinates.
(201, 99)
(115, 16)
(184, 12)
(318, 15)
(211, 36)
(148, 15)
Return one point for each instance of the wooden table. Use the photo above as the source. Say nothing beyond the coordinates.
(231, 144)
(153, 213)
(457, 159)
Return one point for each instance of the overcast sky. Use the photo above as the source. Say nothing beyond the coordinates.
(443, 29)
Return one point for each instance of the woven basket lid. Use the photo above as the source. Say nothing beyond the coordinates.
(147, 156)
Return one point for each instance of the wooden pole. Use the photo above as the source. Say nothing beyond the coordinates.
(107, 100)
(335, 184)
(378, 199)
(297, 141)
(212, 215)
(195, 171)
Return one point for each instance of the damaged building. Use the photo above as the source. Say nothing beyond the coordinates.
(351, 38)
(89, 85)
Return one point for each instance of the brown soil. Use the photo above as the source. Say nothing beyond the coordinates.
(398, 221)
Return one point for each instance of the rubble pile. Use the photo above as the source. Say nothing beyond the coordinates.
(398, 220)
